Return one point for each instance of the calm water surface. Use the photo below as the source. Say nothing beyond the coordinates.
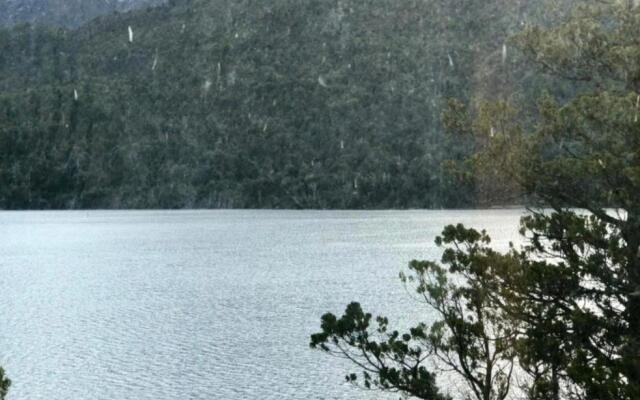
(201, 304)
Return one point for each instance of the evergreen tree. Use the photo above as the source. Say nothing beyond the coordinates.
(570, 297)
(5, 383)
(582, 268)
(473, 338)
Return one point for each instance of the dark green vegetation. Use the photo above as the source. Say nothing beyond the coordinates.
(563, 310)
(283, 104)
(5, 383)
(69, 13)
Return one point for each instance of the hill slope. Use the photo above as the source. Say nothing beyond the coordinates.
(246, 104)
(69, 13)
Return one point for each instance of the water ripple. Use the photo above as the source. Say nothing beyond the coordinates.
(199, 304)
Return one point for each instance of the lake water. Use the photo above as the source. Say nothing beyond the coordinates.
(201, 304)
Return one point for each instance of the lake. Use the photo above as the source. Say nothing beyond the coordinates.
(202, 304)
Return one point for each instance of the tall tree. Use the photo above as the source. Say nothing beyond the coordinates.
(473, 339)
(572, 292)
(578, 283)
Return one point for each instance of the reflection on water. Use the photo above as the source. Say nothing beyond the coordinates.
(201, 304)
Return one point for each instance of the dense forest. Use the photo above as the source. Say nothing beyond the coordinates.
(68, 13)
(281, 104)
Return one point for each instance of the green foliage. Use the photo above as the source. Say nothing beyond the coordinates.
(390, 361)
(473, 338)
(5, 383)
(245, 104)
(569, 298)
(583, 152)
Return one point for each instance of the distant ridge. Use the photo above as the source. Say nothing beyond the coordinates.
(64, 13)
(253, 104)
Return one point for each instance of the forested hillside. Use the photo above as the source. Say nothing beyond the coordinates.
(68, 13)
(246, 103)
